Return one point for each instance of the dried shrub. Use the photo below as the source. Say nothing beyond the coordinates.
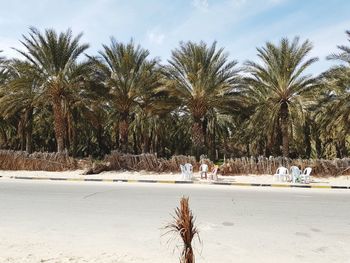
(43, 161)
(183, 225)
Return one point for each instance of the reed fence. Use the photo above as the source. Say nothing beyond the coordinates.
(264, 165)
(43, 161)
(150, 162)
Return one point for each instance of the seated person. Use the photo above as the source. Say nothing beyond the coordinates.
(213, 175)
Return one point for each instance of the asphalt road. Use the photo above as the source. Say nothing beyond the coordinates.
(119, 222)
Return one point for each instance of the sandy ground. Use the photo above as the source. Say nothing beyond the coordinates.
(143, 175)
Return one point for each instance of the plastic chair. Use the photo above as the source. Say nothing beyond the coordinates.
(295, 173)
(189, 171)
(281, 174)
(203, 169)
(183, 172)
(305, 176)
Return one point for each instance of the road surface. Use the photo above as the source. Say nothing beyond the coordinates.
(119, 222)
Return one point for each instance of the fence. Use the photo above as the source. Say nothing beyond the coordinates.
(18, 160)
(264, 165)
(150, 162)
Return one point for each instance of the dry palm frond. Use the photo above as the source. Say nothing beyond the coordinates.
(183, 225)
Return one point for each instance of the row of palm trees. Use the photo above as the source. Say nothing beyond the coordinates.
(58, 98)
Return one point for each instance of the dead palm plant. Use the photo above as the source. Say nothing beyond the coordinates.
(183, 225)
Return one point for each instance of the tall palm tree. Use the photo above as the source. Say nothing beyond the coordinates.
(54, 57)
(337, 106)
(278, 87)
(202, 78)
(127, 72)
(3, 79)
(20, 96)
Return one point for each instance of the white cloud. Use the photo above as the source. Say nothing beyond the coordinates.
(155, 37)
(239, 2)
(276, 2)
(200, 4)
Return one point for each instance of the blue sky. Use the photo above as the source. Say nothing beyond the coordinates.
(158, 25)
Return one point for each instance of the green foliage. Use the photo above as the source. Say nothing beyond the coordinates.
(199, 102)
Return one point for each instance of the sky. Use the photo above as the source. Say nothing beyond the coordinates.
(240, 26)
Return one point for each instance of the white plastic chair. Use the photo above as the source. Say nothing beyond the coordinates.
(183, 172)
(295, 173)
(305, 176)
(189, 171)
(282, 174)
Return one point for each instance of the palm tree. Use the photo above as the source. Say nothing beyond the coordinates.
(278, 88)
(3, 79)
(128, 73)
(202, 78)
(20, 96)
(336, 117)
(54, 57)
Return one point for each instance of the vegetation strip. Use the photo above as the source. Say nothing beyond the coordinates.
(120, 104)
(177, 182)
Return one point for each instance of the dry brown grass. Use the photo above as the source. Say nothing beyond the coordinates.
(37, 161)
(183, 225)
(263, 165)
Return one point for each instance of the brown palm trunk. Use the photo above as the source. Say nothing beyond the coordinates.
(197, 139)
(123, 134)
(59, 123)
(284, 128)
(29, 130)
(21, 131)
(4, 142)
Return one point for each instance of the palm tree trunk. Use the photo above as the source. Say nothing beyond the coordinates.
(197, 139)
(59, 123)
(123, 133)
(307, 139)
(284, 128)
(146, 143)
(135, 143)
(99, 139)
(29, 130)
(21, 130)
(4, 139)
(116, 129)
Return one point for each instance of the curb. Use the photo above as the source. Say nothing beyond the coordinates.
(177, 182)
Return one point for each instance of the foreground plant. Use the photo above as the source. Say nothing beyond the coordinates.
(183, 225)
